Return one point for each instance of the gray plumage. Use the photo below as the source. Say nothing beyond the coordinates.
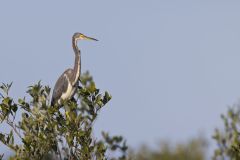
(61, 87)
(67, 83)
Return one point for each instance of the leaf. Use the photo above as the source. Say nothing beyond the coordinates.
(92, 87)
(107, 97)
(6, 87)
(7, 101)
(2, 138)
(11, 141)
(14, 108)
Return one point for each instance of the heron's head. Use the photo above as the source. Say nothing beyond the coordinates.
(80, 36)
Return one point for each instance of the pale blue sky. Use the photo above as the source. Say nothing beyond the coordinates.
(172, 67)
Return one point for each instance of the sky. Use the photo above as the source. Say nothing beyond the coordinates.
(172, 67)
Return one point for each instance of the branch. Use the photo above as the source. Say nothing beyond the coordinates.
(14, 128)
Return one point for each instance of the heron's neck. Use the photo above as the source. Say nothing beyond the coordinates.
(77, 64)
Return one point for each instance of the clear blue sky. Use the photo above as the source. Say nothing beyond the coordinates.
(172, 67)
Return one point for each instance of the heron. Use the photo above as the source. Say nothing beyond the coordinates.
(67, 83)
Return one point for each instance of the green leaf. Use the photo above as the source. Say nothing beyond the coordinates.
(92, 87)
(107, 97)
(2, 138)
(7, 101)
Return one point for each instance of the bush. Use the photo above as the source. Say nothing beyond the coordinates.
(51, 132)
(228, 140)
(193, 150)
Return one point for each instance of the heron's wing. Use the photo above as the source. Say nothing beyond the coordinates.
(60, 87)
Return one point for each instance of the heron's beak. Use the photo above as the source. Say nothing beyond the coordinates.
(89, 38)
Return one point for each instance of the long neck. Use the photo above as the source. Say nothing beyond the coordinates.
(77, 64)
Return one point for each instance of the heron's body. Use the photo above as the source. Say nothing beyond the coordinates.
(67, 83)
(65, 87)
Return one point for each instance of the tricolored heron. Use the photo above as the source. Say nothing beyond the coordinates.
(67, 83)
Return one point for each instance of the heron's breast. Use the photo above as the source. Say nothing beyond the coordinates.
(68, 93)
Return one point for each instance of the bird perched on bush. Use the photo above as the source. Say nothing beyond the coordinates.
(67, 83)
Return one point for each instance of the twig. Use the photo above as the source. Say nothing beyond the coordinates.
(60, 155)
(14, 128)
(58, 149)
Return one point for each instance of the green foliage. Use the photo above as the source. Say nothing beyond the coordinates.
(193, 150)
(228, 139)
(116, 143)
(52, 132)
(65, 133)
